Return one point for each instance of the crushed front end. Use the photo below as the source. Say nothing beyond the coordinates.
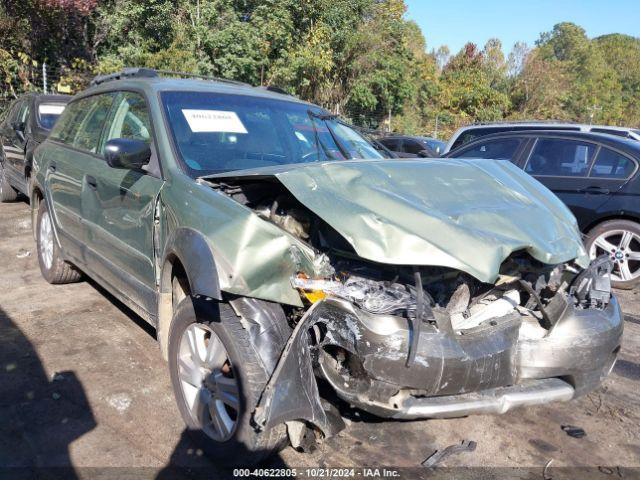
(436, 343)
(418, 289)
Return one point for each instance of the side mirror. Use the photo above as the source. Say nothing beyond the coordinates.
(19, 127)
(127, 153)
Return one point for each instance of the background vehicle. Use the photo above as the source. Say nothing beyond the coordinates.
(595, 175)
(468, 133)
(411, 146)
(270, 244)
(24, 125)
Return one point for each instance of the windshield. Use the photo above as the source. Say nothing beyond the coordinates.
(48, 113)
(217, 133)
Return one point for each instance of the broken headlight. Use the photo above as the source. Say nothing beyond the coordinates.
(376, 297)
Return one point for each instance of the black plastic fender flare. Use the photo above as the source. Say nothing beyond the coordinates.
(192, 250)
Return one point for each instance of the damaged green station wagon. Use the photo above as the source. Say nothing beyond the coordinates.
(271, 246)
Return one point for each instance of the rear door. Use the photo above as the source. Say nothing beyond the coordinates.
(13, 142)
(118, 208)
(563, 166)
(612, 171)
(74, 148)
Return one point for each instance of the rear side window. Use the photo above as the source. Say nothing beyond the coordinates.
(411, 146)
(88, 135)
(473, 133)
(560, 157)
(392, 144)
(67, 126)
(502, 149)
(82, 121)
(610, 164)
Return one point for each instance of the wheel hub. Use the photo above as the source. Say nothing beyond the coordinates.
(623, 248)
(209, 389)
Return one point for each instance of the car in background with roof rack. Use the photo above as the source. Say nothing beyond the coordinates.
(273, 248)
(23, 126)
(594, 174)
(470, 132)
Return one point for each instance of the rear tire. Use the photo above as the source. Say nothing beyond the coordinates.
(7, 192)
(54, 269)
(620, 239)
(217, 323)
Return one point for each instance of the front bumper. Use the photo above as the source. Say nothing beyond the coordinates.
(489, 369)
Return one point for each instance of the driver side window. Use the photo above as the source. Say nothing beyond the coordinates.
(130, 119)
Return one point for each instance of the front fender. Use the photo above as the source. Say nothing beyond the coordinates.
(193, 251)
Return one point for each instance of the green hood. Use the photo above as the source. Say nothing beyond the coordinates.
(468, 215)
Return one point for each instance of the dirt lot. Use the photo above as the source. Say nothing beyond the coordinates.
(82, 384)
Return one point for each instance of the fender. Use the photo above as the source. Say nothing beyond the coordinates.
(192, 249)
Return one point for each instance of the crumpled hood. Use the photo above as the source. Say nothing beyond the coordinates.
(466, 214)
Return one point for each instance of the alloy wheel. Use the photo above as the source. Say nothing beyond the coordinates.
(623, 247)
(2, 177)
(46, 240)
(208, 384)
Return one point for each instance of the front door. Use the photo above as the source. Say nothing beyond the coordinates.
(74, 147)
(118, 210)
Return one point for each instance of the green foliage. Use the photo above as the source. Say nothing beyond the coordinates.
(361, 58)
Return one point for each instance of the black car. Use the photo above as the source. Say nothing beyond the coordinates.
(595, 175)
(23, 126)
(405, 146)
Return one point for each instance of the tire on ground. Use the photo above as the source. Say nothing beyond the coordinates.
(7, 192)
(247, 446)
(611, 225)
(60, 271)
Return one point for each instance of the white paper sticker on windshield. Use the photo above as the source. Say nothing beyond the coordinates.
(213, 121)
(45, 109)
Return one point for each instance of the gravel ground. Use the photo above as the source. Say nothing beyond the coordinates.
(82, 385)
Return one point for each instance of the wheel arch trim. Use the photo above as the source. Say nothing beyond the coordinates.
(192, 250)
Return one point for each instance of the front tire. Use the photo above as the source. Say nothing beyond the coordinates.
(7, 192)
(217, 380)
(620, 239)
(53, 268)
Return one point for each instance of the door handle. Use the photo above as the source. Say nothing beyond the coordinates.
(52, 167)
(596, 190)
(91, 181)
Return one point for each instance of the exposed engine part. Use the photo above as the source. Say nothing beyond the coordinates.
(292, 219)
(488, 308)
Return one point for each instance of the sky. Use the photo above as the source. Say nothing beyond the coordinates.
(456, 22)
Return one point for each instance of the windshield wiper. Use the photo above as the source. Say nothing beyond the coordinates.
(325, 117)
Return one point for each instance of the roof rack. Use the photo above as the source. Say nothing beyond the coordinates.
(153, 73)
(171, 73)
(125, 73)
(275, 89)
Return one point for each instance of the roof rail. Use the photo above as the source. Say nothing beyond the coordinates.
(172, 73)
(275, 89)
(125, 73)
(152, 73)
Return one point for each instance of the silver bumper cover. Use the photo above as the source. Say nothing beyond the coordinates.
(496, 401)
